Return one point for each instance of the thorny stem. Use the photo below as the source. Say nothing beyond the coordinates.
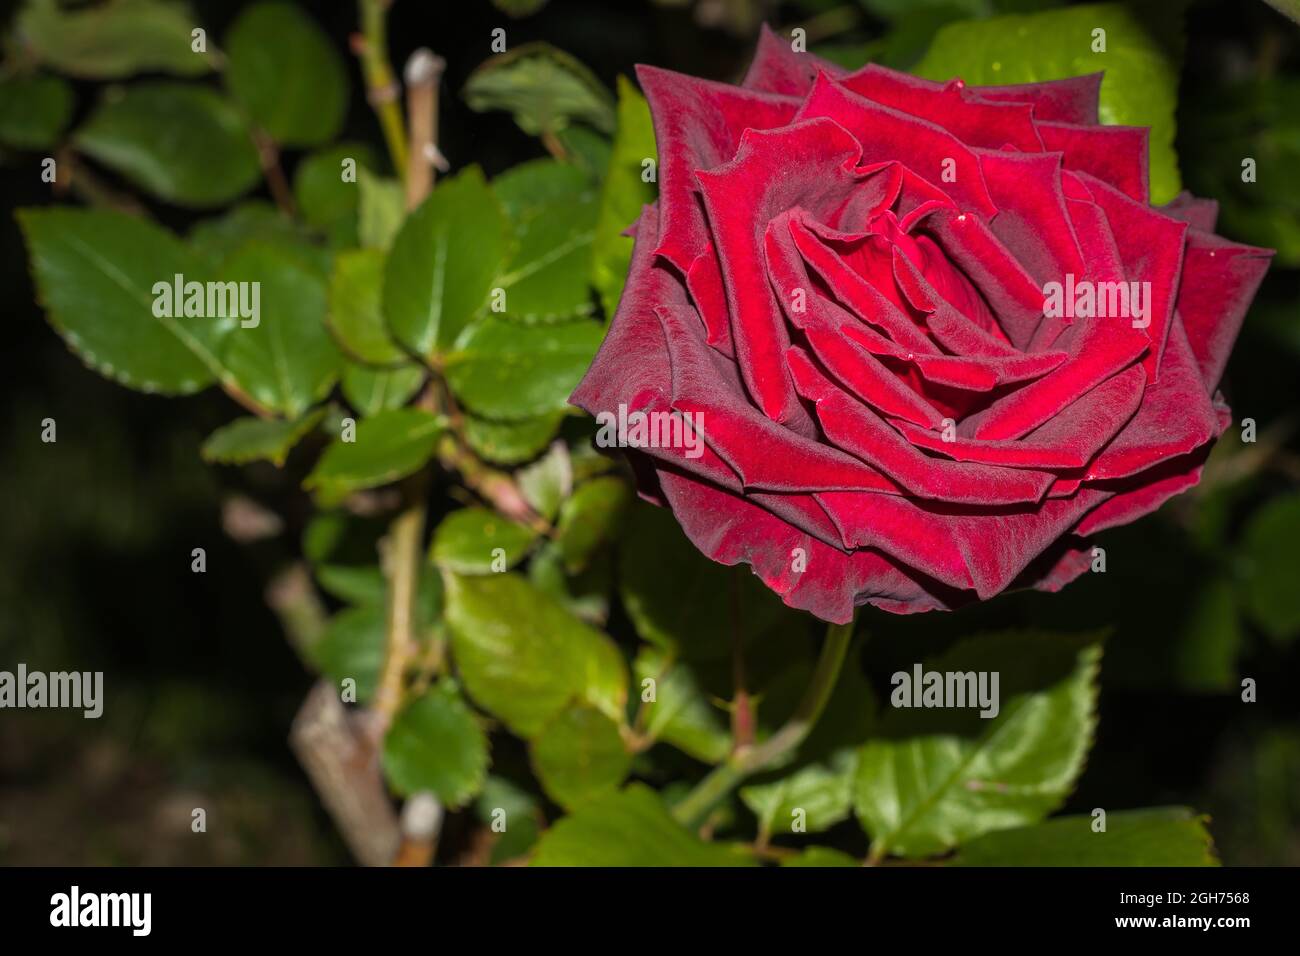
(748, 761)
(402, 568)
(382, 91)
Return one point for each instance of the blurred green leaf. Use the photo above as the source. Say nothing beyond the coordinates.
(809, 800)
(580, 755)
(353, 647)
(325, 199)
(388, 446)
(95, 273)
(1171, 836)
(820, 856)
(544, 88)
(258, 439)
(371, 391)
(356, 315)
(34, 110)
(442, 263)
(285, 71)
(513, 816)
(680, 714)
(465, 540)
(524, 189)
(113, 40)
(622, 195)
(510, 443)
(287, 362)
(184, 144)
(585, 149)
(523, 657)
(220, 237)
(436, 744)
(355, 584)
(590, 517)
(547, 482)
(506, 371)
(939, 777)
(630, 828)
(1142, 63)
(1267, 560)
(381, 209)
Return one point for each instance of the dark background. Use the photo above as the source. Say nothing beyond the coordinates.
(96, 530)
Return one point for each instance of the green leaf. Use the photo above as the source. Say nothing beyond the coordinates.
(219, 238)
(506, 371)
(1142, 63)
(547, 482)
(1167, 836)
(630, 828)
(388, 446)
(523, 657)
(546, 89)
(285, 71)
(579, 756)
(113, 40)
(820, 856)
(184, 144)
(287, 361)
(622, 195)
(325, 198)
(590, 518)
(814, 798)
(353, 647)
(442, 264)
(939, 777)
(585, 149)
(95, 272)
(465, 541)
(356, 314)
(524, 189)
(34, 110)
(681, 601)
(586, 595)
(510, 443)
(1267, 561)
(354, 584)
(502, 803)
(381, 209)
(258, 439)
(371, 391)
(436, 744)
(680, 714)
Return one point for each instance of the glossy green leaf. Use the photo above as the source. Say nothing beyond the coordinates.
(1167, 836)
(388, 446)
(185, 144)
(579, 756)
(287, 361)
(220, 237)
(113, 40)
(356, 314)
(820, 856)
(1269, 588)
(467, 542)
(506, 371)
(623, 194)
(546, 89)
(1142, 62)
(809, 800)
(545, 279)
(95, 275)
(681, 713)
(285, 71)
(258, 439)
(510, 443)
(442, 263)
(374, 390)
(34, 110)
(939, 777)
(530, 186)
(523, 657)
(590, 518)
(630, 828)
(436, 744)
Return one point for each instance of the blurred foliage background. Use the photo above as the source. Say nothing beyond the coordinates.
(96, 530)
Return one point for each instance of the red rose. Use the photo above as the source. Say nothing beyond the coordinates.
(935, 335)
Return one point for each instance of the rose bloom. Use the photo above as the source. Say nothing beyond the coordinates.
(936, 336)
